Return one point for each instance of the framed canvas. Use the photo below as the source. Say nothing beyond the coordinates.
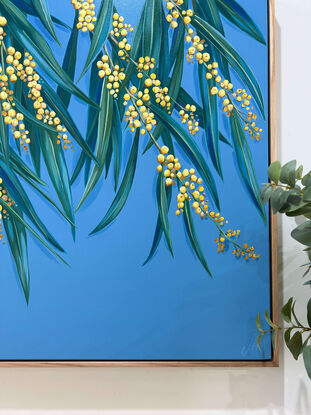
(135, 137)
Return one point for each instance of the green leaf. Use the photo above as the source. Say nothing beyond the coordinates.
(265, 193)
(307, 359)
(100, 33)
(274, 171)
(299, 172)
(309, 313)
(193, 238)
(152, 25)
(210, 118)
(116, 133)
(69, 61)
(57, 169)
(102, 143)
(302, 233)
(17, 238)
(190, 148)
(258, 323)
(287, 311)
(269, 321)
(277, 200)
(42, 9)
(4, 139)
(259, 337)
(163, 210)
(22, 200)
(245, 164)
(287, 335)
(307, 194)
(224, 47)
(124, 190)
(159, 229)
(288, 173)
(235, 13)
(295, 345)
(16, 216)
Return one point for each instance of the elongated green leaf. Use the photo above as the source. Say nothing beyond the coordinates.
(245, 164)
(21, 198)
(4, 139)
(190, 148)
(52, 99)
(159, 228)
(103, 135)
(236, 61)
(235, 13)
(116, 133)
(208, 11)
(210, 118)
(100, 33)
(287, 310)
(124, 190)
(16, 216)
(164, 58)
(69, 62)
(193, 238)
(26, 6)
(56, 166)
(163, 210)
(42, 9)
(152, 25)
(17, 238)
(95, 88)
(35, 44)
(309, 313)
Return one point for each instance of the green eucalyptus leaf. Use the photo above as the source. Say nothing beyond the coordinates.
(277, 199)
(288, 173)
(307, 194)
(302, 233)
(299, 172)
(309, 313)
(265, 193)
(274, 171)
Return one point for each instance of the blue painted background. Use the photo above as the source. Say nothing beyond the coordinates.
(107, 306)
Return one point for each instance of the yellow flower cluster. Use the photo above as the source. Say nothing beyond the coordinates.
(144, 64)
(137, 114)
(25, 71)
(87, 16)
(3, 23)
(175, 14)
(114, 73)
(187, 115)
(121, 31)
(196, 50)
(191, 189)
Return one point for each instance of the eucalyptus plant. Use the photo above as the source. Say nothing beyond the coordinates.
(289, 193)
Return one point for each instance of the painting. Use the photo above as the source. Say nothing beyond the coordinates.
(135, 136)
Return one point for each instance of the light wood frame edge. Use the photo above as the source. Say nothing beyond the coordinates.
(274, 265)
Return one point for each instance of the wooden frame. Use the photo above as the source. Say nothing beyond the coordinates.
(274, 362)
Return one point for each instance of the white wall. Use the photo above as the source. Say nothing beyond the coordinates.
(270, 391)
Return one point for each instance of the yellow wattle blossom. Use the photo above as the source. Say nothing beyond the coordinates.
(87, 18)
(191, 189)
